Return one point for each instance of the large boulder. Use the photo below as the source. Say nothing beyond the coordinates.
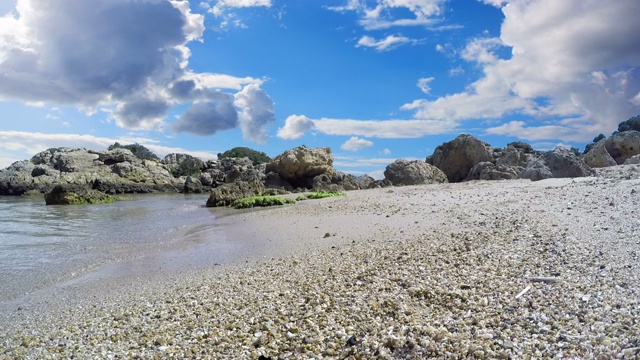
(75, 195)
(183, 165)
(513, 156)
(558, 163)
(456, 157)
(415, 172)
(300, 165)
(598, 156)
(227, 193)
(623, 145)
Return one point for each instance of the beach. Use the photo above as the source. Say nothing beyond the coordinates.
(483, 269)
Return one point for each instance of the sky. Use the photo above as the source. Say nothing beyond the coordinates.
(374, 80)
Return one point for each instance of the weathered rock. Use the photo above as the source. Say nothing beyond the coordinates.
(366, 182)
(300, 165)
(240, 169)
(512, 156)
(635, 159)
(558, 163)
(456, 157)
(416, 172)
(324, 183)
(275, 181)
(115, 171)
(227, 193)
(183, 165)
(623, 145)
(598, 156)
(489, 171)
(526, 148)
(192, 186)
(75, 195)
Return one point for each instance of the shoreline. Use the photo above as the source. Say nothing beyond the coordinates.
(424, 271)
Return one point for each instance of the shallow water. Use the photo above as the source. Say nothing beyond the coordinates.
(43, 246)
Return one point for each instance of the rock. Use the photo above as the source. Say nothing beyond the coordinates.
(75, 195)
(558, 163)
(416, 172)
(523, 146)
(635, 159)
(227, 193)
(240, 169)
(512, 156)
(623, 145)
(598, 156)
(183, 165)
(366, 182)
(115, 171)
(275, 181)
(489, 171)
(300, 165)
(324, 183)
(192, 186)
(456, 158)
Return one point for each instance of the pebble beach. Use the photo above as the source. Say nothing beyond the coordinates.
(488, 270)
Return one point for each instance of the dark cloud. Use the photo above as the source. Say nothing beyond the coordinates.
(207, 118)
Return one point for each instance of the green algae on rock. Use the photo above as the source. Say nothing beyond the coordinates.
(76, 195)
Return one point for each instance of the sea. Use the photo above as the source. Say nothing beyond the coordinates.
(44, 246)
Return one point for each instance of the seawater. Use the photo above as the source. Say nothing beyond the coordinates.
(41, 246)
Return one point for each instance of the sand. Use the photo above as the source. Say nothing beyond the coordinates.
(444, 271)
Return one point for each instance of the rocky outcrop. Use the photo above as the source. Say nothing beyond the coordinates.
(342, 182)
(300, 165)
(75, 195)
(558, 163)
(416, 172)
(621, 146)
(227, 193)
(614, 150)
(598, 156)
(456, 157)
(635, 159)
(114, 171)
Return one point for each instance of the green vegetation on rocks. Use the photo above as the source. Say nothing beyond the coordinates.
(320, 195)
(257, 157)
(138, 150)
(261, 201)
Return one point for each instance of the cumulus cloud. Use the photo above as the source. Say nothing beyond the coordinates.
(575, 63)
(257, 111)
(207, 118)
(127, 58)
(386, 44)
(221, 5)
(380, 14)
(355, 143)
(296, 125)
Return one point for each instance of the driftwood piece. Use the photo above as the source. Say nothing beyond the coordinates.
(523, 292)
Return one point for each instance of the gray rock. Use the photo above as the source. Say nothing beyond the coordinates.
(416, 172)
(558, 163)
(621, 146)
(490, 171)
(456, 157)
(635, 159)
(227, 193)
(75, 195)
(512, 156)
(192, 186)
(598, 156)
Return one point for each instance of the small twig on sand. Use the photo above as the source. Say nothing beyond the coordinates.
(523, 291)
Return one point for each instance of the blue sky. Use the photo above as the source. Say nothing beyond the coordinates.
(375, 80)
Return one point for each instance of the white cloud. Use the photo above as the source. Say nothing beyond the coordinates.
(296, 125)
(256, 113)
(127, 58)
(386, 44)
(423, 84)
(355, 144)
(373, 167)
(221, 5)
(386, 152)
(573, 62)
(379, 16)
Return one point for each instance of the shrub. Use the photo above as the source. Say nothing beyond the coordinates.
(138, 150)
(630, 124)
(257, 157)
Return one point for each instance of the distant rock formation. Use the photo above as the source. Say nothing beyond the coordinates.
(300, 165)
(558, 163)
(614, 150)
